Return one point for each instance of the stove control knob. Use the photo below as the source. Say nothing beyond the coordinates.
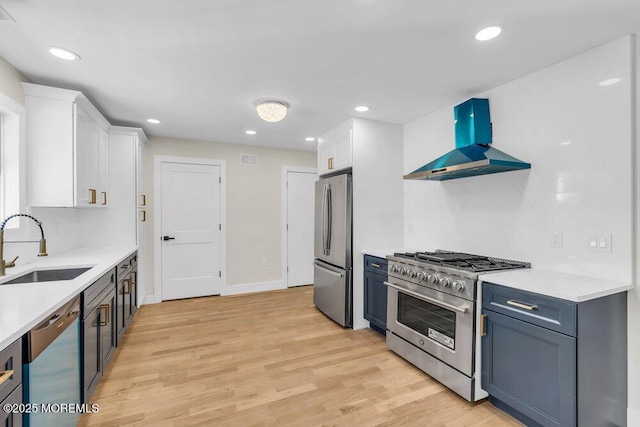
(433, 279)
(459, 286)
(394, 268)
(422, 276)
(412, 273)
(403, 271)
(445, 282)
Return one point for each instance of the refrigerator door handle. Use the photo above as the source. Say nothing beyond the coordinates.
(326, 270)
(324, 220)
(330, 218)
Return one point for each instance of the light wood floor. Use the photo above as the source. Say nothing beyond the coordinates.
(268, 359)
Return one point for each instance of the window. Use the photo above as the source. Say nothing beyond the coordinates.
(12, 149)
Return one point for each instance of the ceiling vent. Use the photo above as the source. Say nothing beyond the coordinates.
(249, 159)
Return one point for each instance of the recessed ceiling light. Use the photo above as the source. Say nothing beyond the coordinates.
(565, 143)
(488, 33)
(362, 108)
(609, 82)
(272, 111)
(65, 54)
(154, 121)
(310, 139)
(250, 132)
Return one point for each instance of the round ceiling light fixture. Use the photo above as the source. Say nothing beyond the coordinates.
(310, 139)
(488, 33)
(362, 108)
(154, 121)
(63, 53)
(250, 132)
(272, 111)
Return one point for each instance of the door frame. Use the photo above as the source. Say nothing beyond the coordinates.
(157, 217)
(285, 248)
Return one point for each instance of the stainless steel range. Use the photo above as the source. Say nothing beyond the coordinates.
(432, 312)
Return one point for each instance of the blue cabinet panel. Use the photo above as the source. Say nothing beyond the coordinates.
(531, 369)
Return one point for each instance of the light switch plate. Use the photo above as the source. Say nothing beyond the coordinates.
(600, 242)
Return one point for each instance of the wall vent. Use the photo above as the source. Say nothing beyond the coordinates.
(249, 159)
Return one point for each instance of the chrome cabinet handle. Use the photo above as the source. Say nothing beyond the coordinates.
(462, 310)
(522, 305)
(4, 376)
(373, 264)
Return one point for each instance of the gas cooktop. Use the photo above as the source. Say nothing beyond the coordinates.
(461, 261)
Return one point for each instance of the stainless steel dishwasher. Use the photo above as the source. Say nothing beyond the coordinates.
(51, 370)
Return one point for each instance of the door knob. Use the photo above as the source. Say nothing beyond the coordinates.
(165, 238)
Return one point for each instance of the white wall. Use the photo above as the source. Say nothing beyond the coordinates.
(634, 296)
(377, 197)
(581, 188)
(254, 206)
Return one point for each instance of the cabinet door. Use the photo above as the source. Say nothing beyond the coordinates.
(91, 356)
(120, 314)
(81, 141)
(93, 150)
(530, 368)
(134, 292)
(375, 300)
(325, 156)
(103, 169)
(12, 419)
(107, 328)
(342, 150)
(128, 286)
(140, 183)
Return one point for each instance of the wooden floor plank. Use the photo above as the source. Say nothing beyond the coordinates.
(267, 359)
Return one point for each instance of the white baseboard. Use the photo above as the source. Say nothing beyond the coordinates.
(151, 299)
(633, 417)
(247, 288)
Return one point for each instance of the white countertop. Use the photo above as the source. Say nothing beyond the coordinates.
(22, 306)
(382, 253)
(559, 285)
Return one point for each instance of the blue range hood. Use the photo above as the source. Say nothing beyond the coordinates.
(473, 154)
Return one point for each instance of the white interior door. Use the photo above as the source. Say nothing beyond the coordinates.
(191, 251)
(300, 212)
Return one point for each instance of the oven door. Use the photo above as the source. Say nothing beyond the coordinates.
(438, 323)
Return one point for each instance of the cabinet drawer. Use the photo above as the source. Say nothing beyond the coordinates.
(89, 296)
(11, 419)
(125, 267)
(551, 313)
(375, 264)
(10, 360)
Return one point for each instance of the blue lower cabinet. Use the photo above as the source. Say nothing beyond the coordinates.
(531, 369)
(375, 301)
(551, 362)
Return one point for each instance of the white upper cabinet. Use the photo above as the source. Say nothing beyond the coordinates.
(335, 149)
(67, 149)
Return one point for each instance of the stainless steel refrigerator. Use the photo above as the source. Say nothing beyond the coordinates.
(332, 284)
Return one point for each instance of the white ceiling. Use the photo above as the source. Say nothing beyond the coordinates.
(200, 65)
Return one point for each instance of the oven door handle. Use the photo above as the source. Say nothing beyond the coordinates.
(462, 310)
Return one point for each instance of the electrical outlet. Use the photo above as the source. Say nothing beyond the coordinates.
(265, 261)
(602, 243)
(555, 239)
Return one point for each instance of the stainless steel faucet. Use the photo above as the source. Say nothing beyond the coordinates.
(8, 264)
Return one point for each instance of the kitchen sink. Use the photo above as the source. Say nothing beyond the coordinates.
(48, 275)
